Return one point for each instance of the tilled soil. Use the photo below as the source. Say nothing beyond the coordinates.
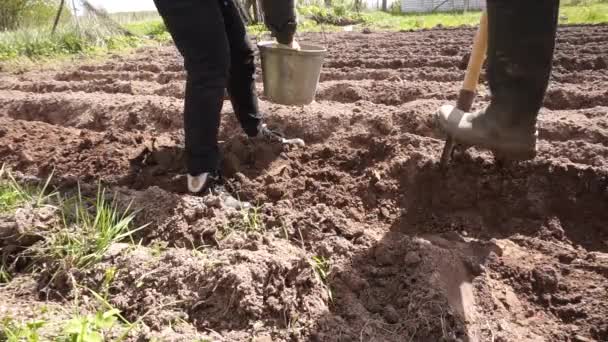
(479, 252)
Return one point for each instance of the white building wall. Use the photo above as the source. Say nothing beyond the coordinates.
(441, 5)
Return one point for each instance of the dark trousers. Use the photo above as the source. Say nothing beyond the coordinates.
(211, 36)
(521, 40)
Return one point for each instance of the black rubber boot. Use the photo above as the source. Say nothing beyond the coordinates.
(521, 40)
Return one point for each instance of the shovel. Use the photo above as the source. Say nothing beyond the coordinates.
(471, 79)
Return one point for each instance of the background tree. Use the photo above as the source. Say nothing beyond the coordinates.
(10, 12)
(25, 13)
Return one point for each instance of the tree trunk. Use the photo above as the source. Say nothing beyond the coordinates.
(10, 13)
(58, 16)
(358, 6)
(327, 3)
(384, 5)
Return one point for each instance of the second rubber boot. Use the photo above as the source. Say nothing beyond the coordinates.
(521, 40)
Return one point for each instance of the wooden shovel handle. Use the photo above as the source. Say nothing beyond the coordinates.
(478, 55)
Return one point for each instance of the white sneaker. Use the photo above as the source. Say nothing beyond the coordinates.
(197, 183)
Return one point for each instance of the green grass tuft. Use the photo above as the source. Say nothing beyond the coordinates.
(13, 195)
(321, 267)
(89, 228)
(9, 197)
(86, 38)
(5, 275)
(248, 220)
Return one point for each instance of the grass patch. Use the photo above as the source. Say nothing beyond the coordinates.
(247, 220)
(84, 39)
(90, 227)
(590, 13)
(594, 13)
(9, 197)
(39, 43)
(84, 230)
(152, 29)
(251, 221)
(319, 19)
(338, 15)
(14, 195)
(405, 21)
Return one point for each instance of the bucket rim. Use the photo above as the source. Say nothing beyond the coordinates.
(304, 48)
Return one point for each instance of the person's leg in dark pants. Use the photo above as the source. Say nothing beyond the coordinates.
(199, 32)
(211, 36)
(520, 53)
(241, 81)
(521, 40)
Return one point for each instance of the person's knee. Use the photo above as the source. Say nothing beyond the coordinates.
(208, 73)
(243, 59)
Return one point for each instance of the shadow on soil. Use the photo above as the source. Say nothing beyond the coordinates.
(415, 284)
(539, 198)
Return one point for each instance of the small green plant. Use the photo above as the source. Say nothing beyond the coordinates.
(5, 275)
(9, 197)
(108, 278)
(252, 220)
(321, 267)
(91, 328)
(248, 220)
(12, 331)
(158, 247)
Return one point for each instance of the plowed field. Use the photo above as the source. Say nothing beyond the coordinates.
(479, 252)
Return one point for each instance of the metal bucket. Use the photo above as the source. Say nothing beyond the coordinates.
(291, 76)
